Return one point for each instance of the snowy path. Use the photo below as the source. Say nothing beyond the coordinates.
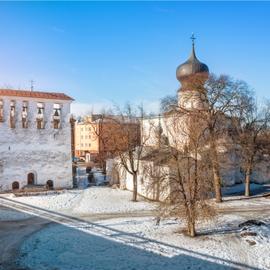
(134, 240)
(100, 228)
(15, 227)
(88, 227)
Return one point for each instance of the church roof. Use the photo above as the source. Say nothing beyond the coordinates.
(34, 94)
(191, 66)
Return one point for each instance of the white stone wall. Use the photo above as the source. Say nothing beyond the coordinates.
(170, 126)
(261, 172)
(44, 152)
(146, 186)
(191, 99)
(174, 129)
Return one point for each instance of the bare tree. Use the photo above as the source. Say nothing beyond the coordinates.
(187, 182)
(120, 136)
(218, 96)
(222, 94)
(135, 139)
(250, 129)
(110, 132)
(168, 103)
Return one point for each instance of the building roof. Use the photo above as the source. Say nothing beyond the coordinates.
(34, 94)
(191, 66)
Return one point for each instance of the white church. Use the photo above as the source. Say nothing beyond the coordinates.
(173, 130)
(35, 139)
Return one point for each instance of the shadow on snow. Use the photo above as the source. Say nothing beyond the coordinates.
(71, 243)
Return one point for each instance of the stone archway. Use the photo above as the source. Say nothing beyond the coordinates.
(31, 178)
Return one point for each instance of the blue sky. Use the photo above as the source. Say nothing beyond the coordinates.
(103, 52)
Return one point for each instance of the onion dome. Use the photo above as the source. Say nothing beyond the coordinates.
(192, 66)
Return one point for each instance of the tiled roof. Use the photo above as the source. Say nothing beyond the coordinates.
(34, 94)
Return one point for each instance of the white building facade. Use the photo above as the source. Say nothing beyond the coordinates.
(35, 139)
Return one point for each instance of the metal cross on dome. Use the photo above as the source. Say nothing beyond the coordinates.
(193, 38)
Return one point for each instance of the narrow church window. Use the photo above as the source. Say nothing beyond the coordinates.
(40, 116)
(56, 116)
(25, 114)
(12, 114)
(1, 111)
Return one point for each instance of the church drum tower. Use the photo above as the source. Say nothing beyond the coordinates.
(192, 75)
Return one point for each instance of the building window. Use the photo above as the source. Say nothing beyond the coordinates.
(40, 116)
(15, 185)
(30, 179)
(25, 115)
(1, 111)
(12, 114)
(56, 116)
(49, 184)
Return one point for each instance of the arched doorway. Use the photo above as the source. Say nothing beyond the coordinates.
(15, 185)
(49, 184)
(30, 179)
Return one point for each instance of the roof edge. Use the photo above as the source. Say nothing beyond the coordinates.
(35, 94)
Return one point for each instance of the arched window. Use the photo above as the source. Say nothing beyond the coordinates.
(25, 114)
(40, 116)
(12, 114)
(56, 116)
(15, 185)
(30, 179)
(49, 184)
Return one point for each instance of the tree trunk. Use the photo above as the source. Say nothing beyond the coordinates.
(247, 180)
(191, 228)
(135, 187)
(192, 231)
(217, 185)
(216, 171)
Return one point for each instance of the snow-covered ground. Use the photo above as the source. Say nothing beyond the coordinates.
(101, 200)
(123, 241)
(94, 200)
(55, 202)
